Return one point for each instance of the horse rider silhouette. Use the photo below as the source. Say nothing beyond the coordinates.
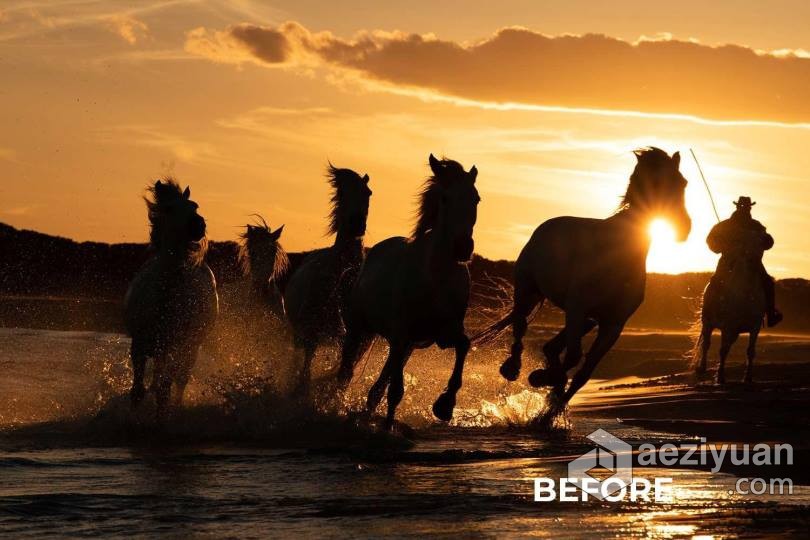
(738, 236)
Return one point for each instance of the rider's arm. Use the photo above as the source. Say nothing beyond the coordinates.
(716, 239)
(767, 241)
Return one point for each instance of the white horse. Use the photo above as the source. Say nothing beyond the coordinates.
(172, 303)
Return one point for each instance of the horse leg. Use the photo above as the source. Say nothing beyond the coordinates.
(726, 341)
(186, 361)
(571, 335)
(705, 341)
(138, 358)
(751, 354)
(526, 299)
(554, 373)
(444, 405)
(306, 367)
(605, 339)
(162, 384)
(396, 385)
(355, 346)
(377, 390)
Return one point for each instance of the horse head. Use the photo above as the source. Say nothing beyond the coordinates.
(350, 200)
(657, 188)
(449, 204)
(175, 223)
(260, 252)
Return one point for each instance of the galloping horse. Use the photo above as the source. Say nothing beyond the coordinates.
(317, 290)
(595, 271)
(735, 304)
(264, 262)
(414, 291)
(172, 302)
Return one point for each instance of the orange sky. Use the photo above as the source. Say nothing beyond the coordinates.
(247, 100)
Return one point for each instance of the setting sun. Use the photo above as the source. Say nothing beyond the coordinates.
(664, 255)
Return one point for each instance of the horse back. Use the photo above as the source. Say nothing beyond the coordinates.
(400, 295)
(594, 263)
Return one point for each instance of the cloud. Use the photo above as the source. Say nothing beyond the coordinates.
(519, 66)
(128, 28)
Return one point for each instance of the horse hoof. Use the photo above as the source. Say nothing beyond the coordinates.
(443, 408)
(547, 377)
(546, 421)
(510, 370)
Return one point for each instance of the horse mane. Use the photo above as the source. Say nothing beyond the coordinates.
(281, 262)
(335, 176)
(430, 198)
(648, 157)
(158, 196)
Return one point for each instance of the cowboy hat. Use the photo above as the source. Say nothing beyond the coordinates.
(744, 202)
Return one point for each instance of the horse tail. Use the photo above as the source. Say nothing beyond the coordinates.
(489, 334)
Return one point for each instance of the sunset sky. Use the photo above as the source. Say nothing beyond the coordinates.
(246, 101)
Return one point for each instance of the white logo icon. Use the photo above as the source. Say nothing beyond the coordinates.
(613, 455)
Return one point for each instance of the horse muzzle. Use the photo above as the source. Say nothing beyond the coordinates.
(196, 228)
(463, 248)
(683, 228)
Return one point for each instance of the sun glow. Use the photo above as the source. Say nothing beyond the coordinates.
(664, 255)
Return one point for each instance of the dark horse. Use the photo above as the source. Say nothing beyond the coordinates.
(318, 288)
(264, 263)
(414, 291)
(172, 303)
(595, 271)
(733, 303)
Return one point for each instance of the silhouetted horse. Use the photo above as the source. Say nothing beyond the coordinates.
(733, 303)
(263, 262)
(172, 301)
(595, 271)
(316, 292)
(414, 291)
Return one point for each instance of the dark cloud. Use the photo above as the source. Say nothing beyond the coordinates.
(515, 65)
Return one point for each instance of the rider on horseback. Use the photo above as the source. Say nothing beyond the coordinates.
(736, 237)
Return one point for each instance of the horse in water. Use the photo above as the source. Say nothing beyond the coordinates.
(172, 303)
(414, 291)
(316, 291)
(264, 263)
(734, 303)
(595, 271)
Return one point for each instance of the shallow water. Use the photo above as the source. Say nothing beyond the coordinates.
(237, 462)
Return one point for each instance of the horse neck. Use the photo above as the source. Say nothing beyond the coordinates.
(347, 246)
(440, 247)
(633, 223)
(176, 256)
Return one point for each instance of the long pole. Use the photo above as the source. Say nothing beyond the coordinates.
(705, 183)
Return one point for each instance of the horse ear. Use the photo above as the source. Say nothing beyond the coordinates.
(365, 179)
(157, 184)
(277, 233)
(187, 193)
(435, 164)
(638, 154)
(676, 158)
(474, 173)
